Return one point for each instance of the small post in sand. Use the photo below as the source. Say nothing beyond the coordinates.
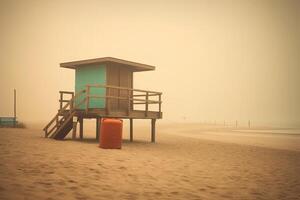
(15, 107)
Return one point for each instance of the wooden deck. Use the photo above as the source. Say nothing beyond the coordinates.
(134, 114)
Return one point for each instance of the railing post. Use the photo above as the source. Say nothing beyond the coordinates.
(147, 97)
(87, 98)
(119, 93)
(159, 105)
(107, 101)
(72, 102)
(60, 102)
(128, 102)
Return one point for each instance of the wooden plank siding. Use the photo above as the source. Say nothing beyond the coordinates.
(119, 76)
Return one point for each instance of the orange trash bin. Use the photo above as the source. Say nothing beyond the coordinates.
(111, 133)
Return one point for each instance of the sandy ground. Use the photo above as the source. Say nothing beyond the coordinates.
(187, 162)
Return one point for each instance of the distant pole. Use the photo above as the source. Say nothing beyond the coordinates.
(15, 107)
(236, 123)
(224, 123)
(249, 123)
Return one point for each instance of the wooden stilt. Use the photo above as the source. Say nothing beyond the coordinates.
(131, 129)
(98, 127)
(74, 130)
(81, 128)
(153, 130)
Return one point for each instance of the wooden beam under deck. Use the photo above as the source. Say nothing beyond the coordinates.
(153, 121)
(81, 128)
(100, 113)
(98, 125)
(131, 129)
(134, 114)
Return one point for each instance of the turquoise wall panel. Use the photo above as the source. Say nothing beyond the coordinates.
(92, 74)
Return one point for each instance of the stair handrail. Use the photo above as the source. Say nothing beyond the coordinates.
(72, 100)
(66, 121)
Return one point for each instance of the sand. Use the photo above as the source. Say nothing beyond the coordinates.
(187, 162)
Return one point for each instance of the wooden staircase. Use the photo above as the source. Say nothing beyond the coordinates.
(62, 123)
(64, 127)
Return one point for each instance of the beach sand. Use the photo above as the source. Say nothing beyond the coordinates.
(187, 162)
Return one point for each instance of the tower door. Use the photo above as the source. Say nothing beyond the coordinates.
(119, 76)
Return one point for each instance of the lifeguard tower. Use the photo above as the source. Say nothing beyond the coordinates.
(104, 88)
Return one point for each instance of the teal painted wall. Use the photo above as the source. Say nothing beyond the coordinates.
(92, 74)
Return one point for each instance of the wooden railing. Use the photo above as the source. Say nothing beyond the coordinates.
(62, 100)
(132, 97)
(143, 97)
(63, 113)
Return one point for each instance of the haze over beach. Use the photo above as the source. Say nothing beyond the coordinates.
(229, 74)
(216, 60)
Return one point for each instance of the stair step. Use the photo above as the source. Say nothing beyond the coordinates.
(64, 127)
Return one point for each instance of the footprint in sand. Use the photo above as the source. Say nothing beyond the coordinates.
(158, 193)
(43, 183)
(210, 187)
(73, 188)
(71, 181)
(202, 189)
(122, 168)
(49, 172)
(61, 182)
(174, 193)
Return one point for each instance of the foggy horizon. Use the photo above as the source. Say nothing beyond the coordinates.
(215, 60)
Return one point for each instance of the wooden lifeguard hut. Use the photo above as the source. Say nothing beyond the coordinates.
(104, 88)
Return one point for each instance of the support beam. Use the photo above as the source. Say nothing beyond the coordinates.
(98, 125)
(74, 130)
(153, 121)
(131, 129)
(81, 128)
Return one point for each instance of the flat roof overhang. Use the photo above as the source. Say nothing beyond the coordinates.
(136, 67)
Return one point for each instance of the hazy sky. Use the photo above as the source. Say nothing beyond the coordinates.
(215, 60)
